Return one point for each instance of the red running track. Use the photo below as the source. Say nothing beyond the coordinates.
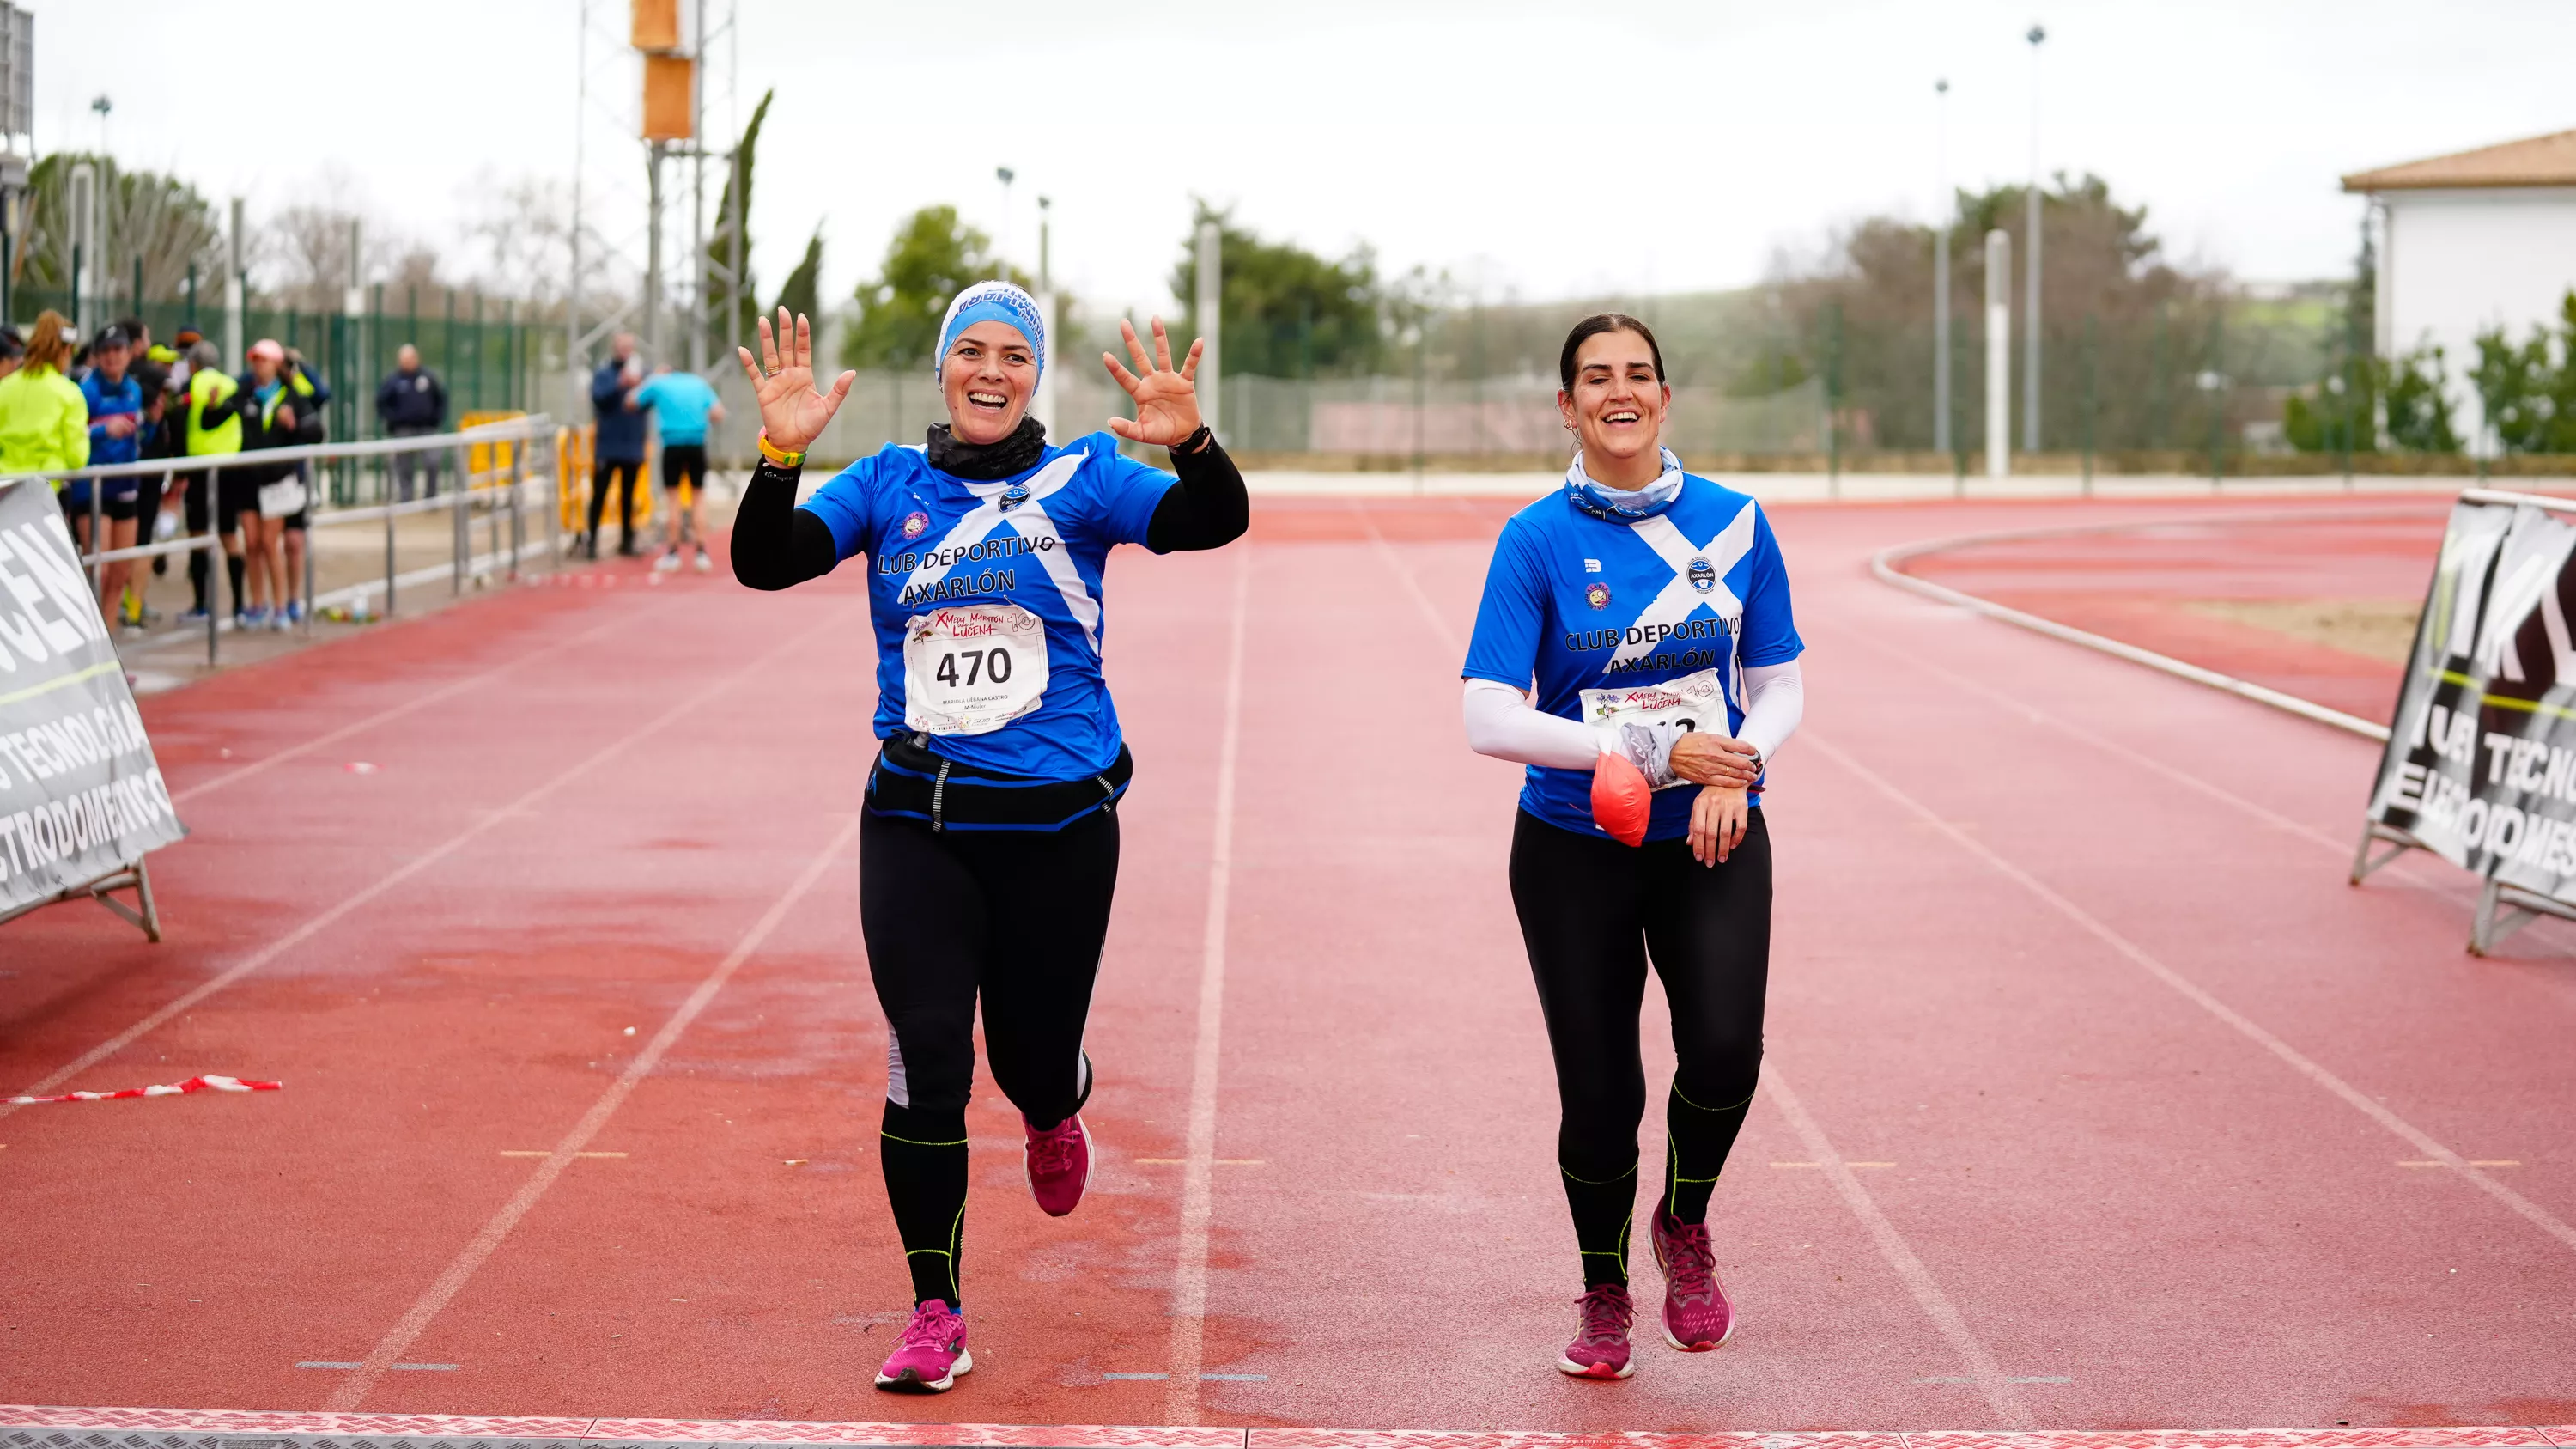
(2090, 1103)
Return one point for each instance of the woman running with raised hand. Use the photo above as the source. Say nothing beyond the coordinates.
(989, 847)
(1651, 608)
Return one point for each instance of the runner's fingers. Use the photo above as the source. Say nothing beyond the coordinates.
(804, 341)
(1190, 364)
(768, 349)
(1135, 346)
(1162, 347)
(1122, 376)
(750, 369)
(1123, 428)
(840, 390)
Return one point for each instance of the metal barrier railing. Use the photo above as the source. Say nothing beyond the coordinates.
(515, 479)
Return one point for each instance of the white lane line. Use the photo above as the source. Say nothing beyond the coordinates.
(2137, 955)
(2403, 869)
(443, 692)
(403, 1334)
(1198, 1178)
(350, 903)
(1430, 612)
(1974, 1356)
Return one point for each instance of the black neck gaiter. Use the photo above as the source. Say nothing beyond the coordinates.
(985, 462)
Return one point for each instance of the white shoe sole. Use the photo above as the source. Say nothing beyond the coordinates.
(965, 1363)
(1089, 1156)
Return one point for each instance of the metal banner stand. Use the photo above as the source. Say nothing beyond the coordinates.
(144, 915)
(2504, 909)
(2374, 833)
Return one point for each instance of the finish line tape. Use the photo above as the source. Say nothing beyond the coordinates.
(193, 1084)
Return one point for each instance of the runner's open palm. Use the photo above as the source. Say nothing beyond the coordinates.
(792, 413)
(1167, 403)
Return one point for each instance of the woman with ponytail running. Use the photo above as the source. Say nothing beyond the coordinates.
(1635, 649)
(988, 850)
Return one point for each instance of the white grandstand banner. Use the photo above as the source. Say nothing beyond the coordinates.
(80, 797)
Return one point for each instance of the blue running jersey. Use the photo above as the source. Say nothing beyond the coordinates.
(953, 564)
(1577, 601)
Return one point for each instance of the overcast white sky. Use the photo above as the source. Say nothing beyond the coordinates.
(1540, 149)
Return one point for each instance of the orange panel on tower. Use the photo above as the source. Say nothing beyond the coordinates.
(669, 85)
(657, 24)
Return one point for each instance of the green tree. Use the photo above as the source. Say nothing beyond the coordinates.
(720, 244)
(932, 258)
(2512, 384)
(2419, 411)
(797, 293)
(158, 218)
(2337, 416)
(1284, 311)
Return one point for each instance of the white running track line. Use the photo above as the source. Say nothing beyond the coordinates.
(360, 897)
(1883, 566)
(446, 691)
(1198, 1178)
(1983, 1370)
(2138, 956)
(399, 1339)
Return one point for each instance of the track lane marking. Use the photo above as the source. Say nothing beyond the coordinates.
(447, 691)
(1198, 1180)
(476, 1253)
(349, 904)
(1983, 1371)
(2192, 991)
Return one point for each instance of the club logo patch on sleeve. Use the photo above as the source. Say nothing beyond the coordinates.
(1597, 595)
(1702, 577)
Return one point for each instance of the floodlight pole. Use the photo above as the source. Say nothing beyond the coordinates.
(233, 342)
(1210, 309)
(698, 196)
(1941, 214)
(653, 250)
(2030, 268)
(1046, 315)
(1998, 353)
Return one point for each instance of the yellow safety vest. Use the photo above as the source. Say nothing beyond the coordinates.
(206, 388)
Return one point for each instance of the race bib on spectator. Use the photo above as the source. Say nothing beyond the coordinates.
(282, 498)
(972, 669)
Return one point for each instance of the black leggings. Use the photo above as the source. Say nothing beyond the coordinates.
(624, 476)
(1592, 913)
(1017, 917)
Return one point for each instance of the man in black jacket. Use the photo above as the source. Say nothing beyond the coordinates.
(412, 403)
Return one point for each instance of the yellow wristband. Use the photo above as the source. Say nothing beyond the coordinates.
(775, 454)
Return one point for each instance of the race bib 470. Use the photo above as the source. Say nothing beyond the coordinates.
(972, 669)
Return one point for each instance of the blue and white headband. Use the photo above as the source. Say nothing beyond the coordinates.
(993, 302)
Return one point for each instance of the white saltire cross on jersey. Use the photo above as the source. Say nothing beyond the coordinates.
(1678, 598)
(1029, 519)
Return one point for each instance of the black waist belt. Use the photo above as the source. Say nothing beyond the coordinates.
(912, 783)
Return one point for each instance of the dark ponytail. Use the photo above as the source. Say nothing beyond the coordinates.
(1594, 326)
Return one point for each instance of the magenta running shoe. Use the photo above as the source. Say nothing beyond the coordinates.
(931, 1355)
(1600, 1347)
(1697, 1316)
(1059, 1165)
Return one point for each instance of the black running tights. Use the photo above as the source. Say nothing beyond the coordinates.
(1017, 917)
(1593, 913)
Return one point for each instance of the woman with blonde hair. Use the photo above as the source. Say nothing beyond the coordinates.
(44, 420)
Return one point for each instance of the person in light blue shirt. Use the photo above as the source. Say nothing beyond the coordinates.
(1636, 622)
(682, 405)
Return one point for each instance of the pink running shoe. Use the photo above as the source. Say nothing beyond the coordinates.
(1697, 1316)
(931, 1355)
(1059, 1165)
(1600, 1347)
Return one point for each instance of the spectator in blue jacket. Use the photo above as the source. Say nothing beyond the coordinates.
(412, 403)
(617, 447)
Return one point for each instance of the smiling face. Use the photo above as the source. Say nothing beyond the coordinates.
(1617, 405)
(988, 375)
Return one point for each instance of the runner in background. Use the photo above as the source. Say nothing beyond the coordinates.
(1651, 609)
(255, 502)
(151, 368)
(208, 433)
(989, 846)
(44, 420)
(116, 426)
(682, 405)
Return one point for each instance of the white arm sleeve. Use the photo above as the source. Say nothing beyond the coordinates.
(1501, 723)
(1775, 699)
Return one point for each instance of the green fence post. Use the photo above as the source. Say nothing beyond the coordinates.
(2089, 341)
(192, 294)
(1833, 399)
(478, 347)
(448, 351)
(2217, 388)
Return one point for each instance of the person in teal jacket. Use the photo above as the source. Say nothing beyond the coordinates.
(44, 420)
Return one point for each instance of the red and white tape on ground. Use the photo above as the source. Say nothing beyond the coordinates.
(193, 1084)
